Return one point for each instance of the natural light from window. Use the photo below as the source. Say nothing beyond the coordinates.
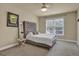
(55, 26)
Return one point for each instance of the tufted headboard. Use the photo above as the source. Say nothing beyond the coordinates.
(28, 27)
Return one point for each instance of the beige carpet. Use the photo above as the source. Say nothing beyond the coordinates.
(61, 48)
(64, 49)
(27, 50)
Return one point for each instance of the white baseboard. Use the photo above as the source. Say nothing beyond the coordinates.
(8, 46)
(78, 43)
(73, 41)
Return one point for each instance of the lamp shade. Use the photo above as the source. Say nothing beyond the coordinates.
(44, 8)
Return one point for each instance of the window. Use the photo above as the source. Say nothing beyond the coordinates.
(55, 26)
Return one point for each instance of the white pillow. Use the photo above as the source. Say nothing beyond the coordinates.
(30, 34)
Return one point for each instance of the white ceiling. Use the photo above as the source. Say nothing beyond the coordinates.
(54, 8)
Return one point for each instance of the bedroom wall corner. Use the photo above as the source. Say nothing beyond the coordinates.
(8, 35)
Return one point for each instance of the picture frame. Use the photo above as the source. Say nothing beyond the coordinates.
(78, 20)
(12, 20)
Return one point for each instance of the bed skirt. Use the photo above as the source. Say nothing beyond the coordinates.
(40, 44)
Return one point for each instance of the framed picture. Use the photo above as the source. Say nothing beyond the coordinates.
(12, 20)
(78, 20)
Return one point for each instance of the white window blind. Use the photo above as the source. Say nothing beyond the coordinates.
(55, 26)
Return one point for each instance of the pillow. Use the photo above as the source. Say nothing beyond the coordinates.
(30, 34)
(35, 33)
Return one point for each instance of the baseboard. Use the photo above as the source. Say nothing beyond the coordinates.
(8, 46)
(73, 41)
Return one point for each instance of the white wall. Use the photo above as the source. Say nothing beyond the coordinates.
(8, 35)
(78, 27)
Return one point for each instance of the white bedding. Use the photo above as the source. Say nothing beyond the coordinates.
(41, 38)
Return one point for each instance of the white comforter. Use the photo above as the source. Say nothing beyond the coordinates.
(42, 38)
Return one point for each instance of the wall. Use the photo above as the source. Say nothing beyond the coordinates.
(8, 35)
(70, 25)
(78, 27)
(42, 24)
(70, 30)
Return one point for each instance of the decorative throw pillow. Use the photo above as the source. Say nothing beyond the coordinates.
(35, 33)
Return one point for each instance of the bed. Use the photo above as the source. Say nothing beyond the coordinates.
(41, 40)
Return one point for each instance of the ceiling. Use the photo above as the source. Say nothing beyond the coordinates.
(53, 8)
